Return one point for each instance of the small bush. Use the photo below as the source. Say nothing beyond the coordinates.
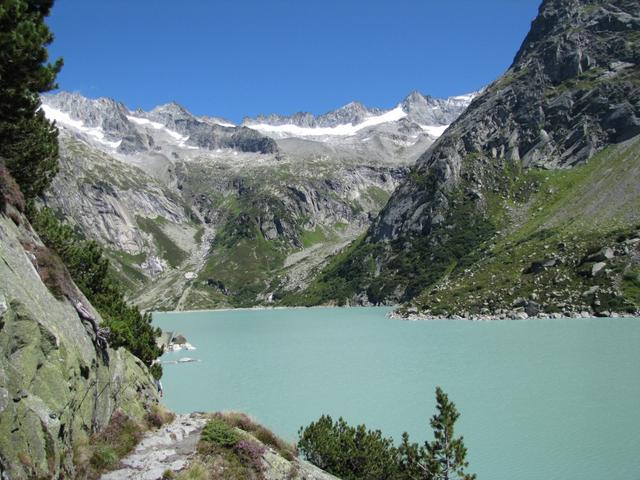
(104, 458)
(122, 432)
(218, 432)
(251, 452)
(158, 416)
(263, 434)
(104, 450)
(237, 419)
(53, 272)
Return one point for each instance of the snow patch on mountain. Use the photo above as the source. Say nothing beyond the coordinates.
(434, 130)
(181, 139)
(348, 129)
(62, 118)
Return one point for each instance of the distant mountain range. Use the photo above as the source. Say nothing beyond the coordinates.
(110, 124)
(429, 114)
(196, 212)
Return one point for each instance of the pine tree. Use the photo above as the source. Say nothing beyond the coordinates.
(28, 141)
(445, 456)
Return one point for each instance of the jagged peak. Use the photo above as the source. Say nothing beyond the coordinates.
(63, 97)
(416, 96)
(172, 108)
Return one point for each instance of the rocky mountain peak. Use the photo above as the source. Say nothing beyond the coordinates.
(353, 113)
(572, 90)
(416, 100)
(101, 120)
(427, 110)
(568, 38)
(100, 112)
(171, 109)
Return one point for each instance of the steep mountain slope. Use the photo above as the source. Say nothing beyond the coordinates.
(196, 212)
(539, 171)
(58, 383)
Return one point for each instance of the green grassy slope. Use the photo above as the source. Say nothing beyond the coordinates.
(570, 215)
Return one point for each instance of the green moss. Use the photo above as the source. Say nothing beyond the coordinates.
(310, 238)
(197, 237)
(379, 196)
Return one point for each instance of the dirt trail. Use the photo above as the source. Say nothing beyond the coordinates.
(168, 448)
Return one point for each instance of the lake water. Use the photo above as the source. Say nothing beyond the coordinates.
(540, 399)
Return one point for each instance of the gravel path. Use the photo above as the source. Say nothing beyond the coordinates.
(168, 448)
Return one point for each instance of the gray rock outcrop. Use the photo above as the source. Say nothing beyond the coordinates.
(57, 385)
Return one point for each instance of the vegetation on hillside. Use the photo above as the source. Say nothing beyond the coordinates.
(233, 447)
(549, 241)
(356, 453)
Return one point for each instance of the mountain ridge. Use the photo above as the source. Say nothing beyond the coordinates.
(425, 111)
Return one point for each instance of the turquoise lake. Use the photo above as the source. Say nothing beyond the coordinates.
(539, 399)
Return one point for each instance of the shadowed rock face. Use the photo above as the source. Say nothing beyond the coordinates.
(56, 386)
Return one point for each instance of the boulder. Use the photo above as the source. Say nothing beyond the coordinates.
(179, 339)
(519, 302)
(603, 255)
(597, 268)
(590, 291)
(532, 309)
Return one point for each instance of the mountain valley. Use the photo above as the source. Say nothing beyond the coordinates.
(198, 213)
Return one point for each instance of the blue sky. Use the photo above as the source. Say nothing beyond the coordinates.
(233, 58)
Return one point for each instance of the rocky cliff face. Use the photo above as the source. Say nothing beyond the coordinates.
(197, 212)
(572, 90)
(57, 386)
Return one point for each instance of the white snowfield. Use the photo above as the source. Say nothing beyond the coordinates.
(223, 123)
(339, 130)
(434, 131)
(468, 97)
(145, 122)
(346, 130)
(64, 119)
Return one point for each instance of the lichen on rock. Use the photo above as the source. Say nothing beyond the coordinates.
(56, 385)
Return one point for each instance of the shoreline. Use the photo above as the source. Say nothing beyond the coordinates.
(414, 317)
(299, 307)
